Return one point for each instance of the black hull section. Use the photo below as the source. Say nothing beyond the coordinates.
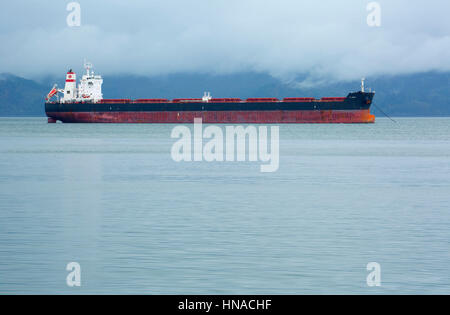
(354, 101)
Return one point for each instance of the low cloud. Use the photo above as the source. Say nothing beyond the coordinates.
(326, 40)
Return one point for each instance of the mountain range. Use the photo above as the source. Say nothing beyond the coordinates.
(423, 94)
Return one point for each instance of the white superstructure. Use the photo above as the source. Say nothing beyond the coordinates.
(89, 88)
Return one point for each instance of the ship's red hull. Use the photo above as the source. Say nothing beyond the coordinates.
(215, 117)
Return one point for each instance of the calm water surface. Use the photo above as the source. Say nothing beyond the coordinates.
(110, 198)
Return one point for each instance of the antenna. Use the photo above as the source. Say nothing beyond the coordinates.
(88, 67)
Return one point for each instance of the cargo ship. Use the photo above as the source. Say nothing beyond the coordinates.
(85, 104)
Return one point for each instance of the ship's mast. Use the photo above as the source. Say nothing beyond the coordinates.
(362, 85)
(206, 97)
(88, 67)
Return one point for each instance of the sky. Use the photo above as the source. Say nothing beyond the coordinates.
(325, 40)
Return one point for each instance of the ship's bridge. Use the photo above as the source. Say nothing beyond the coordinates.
(90, 87)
